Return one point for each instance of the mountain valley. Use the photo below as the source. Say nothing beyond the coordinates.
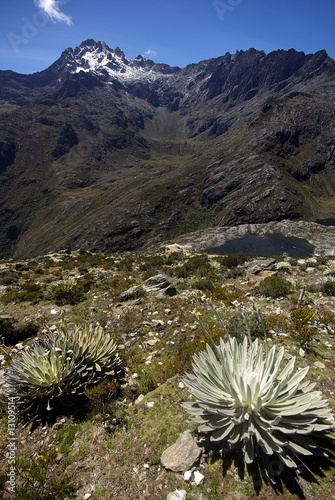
(106, 154)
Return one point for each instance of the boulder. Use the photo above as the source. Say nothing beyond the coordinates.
(157, 284)
(258, 265)
(182, 455)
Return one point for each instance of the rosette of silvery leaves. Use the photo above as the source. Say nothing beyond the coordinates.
(51, 369)
(60, 366)
(245, 399)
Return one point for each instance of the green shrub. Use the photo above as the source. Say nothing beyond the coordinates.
(36, 478)
(241, 325)
(6, 329)
(147, 381)
(174, 257)
(273, 286)
(152, 262)
(12, 333)
(101, 395)
(301, 319)
(225, 294)
(27, 292)
(67, 292)
(198, 265)
(232, 260)
(245, 399)
(328, 288)
(205, 285)
(8, 277)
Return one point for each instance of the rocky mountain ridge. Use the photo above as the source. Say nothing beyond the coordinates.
(105, 153)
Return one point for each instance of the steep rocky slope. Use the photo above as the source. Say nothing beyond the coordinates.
(104, 153)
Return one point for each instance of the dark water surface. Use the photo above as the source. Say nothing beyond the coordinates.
(326, 222)
(270, 245)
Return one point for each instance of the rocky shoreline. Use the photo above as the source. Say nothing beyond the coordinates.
(321, 236)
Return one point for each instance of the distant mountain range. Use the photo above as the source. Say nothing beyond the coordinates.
(105, 153)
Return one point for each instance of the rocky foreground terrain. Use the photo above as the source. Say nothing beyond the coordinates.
(160, 307)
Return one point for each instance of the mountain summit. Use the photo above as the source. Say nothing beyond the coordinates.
(106, 63)
(105, 153)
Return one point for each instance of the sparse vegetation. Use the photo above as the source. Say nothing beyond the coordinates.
(328, 288)
(274, 287)
(301, 320)
(68, 291)
(156, 340)
(11, 332)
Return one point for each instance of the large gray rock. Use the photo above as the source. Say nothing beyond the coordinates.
(157, 284)
(182, 455)
(258, 265)
(132, 293)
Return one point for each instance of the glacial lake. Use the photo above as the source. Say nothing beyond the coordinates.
(270, 245)
(326, 222)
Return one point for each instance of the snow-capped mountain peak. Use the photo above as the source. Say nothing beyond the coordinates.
(98, 58)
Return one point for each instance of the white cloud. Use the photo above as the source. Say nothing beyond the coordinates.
(150, 53)
(51, 9)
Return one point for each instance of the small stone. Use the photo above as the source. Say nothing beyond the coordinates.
(59, 458)
(181, 385)
(87, 496)
(187, 475)
(157, 322)
(150, 404)
(139, 399)
(319, 365)
(53, 311)
(151, 343)
(198, 478)
(177, 495)
(302, 352)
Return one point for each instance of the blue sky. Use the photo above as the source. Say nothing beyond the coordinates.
(33, 33)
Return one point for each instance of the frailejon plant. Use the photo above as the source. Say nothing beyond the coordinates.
(100, 348)
(51, 369)
(245, 400)
(59, 367)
